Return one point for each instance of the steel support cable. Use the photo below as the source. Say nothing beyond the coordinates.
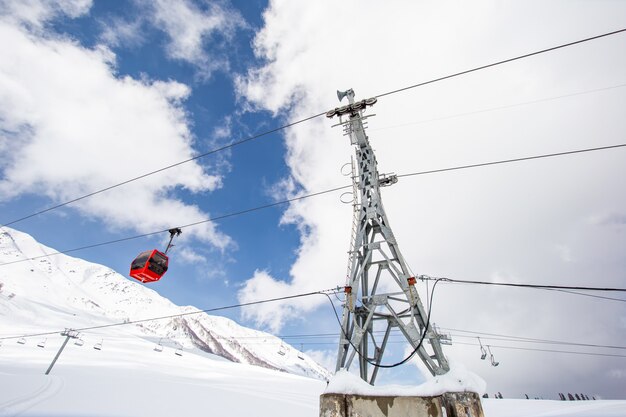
(539, 341)
(492, 109)
(517, 285)
(322, 292)
(548, 350)
(507, 161)
(231, 145)
(470, 334)
(212, 219)
(554, 48)
(591, 295)
(302, 197)
(396, 342)
(489, 336)
(171, 316)
(531, 339)
(202, 155)
(498, 346)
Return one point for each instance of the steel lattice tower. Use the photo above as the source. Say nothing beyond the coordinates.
(380, 291)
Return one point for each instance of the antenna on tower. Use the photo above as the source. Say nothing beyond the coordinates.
(342, 94)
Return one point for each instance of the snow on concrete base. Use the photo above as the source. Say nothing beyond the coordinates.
(457, 393)
(458, 379)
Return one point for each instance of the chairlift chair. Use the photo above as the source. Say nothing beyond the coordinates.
(483, 352)
(158, 347)
(179, 351)
(445, 339)
(98, 346)
(42, 344)
(21, 341)
(300, 354)
(493, 361)
(79, 341)
(281, 350)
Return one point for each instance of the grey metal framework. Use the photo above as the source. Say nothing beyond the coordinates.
(380, 291)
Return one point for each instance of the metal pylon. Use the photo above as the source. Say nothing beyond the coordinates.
(380, 291)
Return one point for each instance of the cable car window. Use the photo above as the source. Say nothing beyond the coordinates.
(141, 260)
(159, 258)
(158, 263)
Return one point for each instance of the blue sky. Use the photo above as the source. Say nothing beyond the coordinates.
(95, 93)
(250, 172)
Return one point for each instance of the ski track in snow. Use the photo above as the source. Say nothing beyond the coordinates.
(17, 406)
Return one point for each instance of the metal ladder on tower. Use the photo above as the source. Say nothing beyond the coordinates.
(355, 218)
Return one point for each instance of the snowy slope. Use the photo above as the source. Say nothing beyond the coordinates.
(194, 386)
(55, 292)
(128, 378)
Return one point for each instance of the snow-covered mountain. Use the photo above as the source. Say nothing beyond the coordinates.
(56, 292)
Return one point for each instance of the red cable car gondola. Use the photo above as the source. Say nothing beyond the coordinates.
(151, 265)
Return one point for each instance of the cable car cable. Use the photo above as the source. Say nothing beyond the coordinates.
(208, 310)
(517, 285)
(325, 292)
(506, 161)
(492, 109)
(591, 295)
(548, 350)
(486, 336)
(202, 155)
(515, 339)
(302, 197)
(531, 340)
(505, 61)
(212, 219)
(236, 143)
(540, 342)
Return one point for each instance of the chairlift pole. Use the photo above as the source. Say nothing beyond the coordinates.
(69, 334)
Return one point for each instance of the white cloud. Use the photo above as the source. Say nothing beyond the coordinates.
(475, 224)
(326, 358)
(190, 27)
(122, 33)
(200, 33)
(224, 130)
(190, 256)
(262, 287)
(36, 13)
(70, 126)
